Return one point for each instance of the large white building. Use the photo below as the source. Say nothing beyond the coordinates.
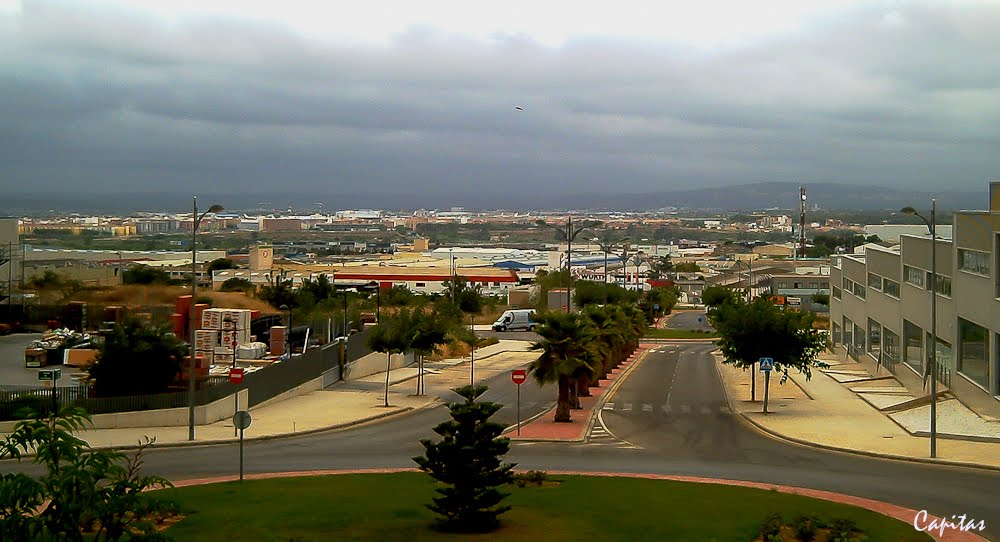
(880, 307)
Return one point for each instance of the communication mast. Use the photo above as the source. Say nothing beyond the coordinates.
(802, 222)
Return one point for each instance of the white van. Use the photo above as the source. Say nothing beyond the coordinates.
(516, 319)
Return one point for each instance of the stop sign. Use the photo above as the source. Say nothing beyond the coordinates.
(518, 376)
(236, 375)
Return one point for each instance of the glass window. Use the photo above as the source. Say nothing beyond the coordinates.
(944, 285)
(890, 287)
(973, 352)
(913, 346)
(974, 261)
(874, 281)
(942, 359)
(782, 285)
(859, 340)
(913, 276)
(836, 334)
(890, 348)
(874, 337)
(859, 290)
(847, 283)
(848, 336)
(836, 292)
(814, 285)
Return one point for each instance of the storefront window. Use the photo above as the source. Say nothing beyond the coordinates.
(913, 346)
(890, 349)
(874, 337)
(973, 352)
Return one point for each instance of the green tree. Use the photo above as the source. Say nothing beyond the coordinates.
(429, 331)
(320, 288)
(750, 331)
(567, 353)
(821, 298)
(394, 335)
(468, 460)
(278, 293)
(137, 359)
(80, 488)
(220, 263)
(687, 267)
(660, 267)
(143, 274)
(713, 296)
(237, 284)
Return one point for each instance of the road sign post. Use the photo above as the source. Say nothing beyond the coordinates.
(766, 365)
(518, 376)
(241, 420)
(51, 376)
(236, 377)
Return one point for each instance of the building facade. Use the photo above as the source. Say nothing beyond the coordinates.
(880, 306)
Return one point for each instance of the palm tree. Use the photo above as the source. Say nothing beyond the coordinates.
(567, 355)
(611, 337)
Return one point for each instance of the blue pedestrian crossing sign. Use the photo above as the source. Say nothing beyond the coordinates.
(766, 364)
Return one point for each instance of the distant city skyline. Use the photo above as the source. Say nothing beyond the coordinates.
(451, 100)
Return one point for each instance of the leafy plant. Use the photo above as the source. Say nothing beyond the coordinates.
(844, 530)
(469, 461)
(530, 478)
(134, 344)
(772, 526)
(805, 527)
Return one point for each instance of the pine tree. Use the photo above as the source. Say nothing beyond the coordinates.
(468, 460)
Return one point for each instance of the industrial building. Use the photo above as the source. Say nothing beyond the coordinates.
(880, 309)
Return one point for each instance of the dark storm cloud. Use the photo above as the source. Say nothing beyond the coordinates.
(121, 101)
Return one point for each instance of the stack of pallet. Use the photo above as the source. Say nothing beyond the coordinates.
(226, 326)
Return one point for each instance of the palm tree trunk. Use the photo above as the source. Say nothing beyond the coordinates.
(582, 388)
(563, 404)
(574, 399)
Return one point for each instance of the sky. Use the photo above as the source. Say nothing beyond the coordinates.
(458, 97)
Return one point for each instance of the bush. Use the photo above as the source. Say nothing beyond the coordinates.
(772, 526)
(805, 527)
(530, 478)
(844, 530)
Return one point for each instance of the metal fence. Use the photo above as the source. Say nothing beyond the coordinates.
(261, 385)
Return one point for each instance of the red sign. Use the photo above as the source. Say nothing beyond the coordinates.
(236, 375)
(519, 376)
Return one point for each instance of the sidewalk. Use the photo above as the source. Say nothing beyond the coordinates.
(839, 408)
(343, 404)
(543, 428)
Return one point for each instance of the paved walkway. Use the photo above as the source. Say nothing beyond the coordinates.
(343, 404)
(839, 409)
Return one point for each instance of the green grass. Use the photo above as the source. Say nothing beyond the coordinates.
(680, 334)
(390, 507)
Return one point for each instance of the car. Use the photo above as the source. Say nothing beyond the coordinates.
(512, 320)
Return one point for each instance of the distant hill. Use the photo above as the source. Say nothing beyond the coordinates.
(829, 196)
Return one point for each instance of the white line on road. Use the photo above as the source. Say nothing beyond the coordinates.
(647, 407)
(706, 410)
(685, 409)
(627, 407)
(667, 409)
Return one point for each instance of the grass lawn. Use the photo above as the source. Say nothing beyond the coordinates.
(387, 507)
(656, 333)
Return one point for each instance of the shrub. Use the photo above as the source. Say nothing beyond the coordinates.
(530, 478)
(843, 530)
(805, 528)
(772, 526)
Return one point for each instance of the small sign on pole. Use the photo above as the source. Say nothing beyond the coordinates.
(241, 420)
(50, 377)
(518, 376)
(766, 365)
(236, 375)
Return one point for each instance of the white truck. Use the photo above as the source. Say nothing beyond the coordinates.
(512, 320)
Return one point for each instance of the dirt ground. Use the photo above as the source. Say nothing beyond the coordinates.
(139, 295)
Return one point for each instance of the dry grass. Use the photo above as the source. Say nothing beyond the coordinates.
(138, 295)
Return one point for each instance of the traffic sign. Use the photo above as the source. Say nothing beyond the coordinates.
(242, 419)
(518, 376)
(766, 364)
(236, 375)
(50, 374)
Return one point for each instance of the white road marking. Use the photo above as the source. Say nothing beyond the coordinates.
(609, 406)
(627, 407)
(647, 407)
(685, 409)
(667, 409)
(706, 410)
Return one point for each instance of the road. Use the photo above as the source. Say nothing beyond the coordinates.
(689, 320)
(669, 416)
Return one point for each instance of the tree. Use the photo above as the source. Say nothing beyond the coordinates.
(687, 267)
(237, 284)
(279, 293)
(661, 267)
(143, 274)
(320, 289)
(567, 352)
(220, 263)
(80, 489)
(469, 461)
(137, 359)
(713, 296)
(393, 336)
(429, 332)
(750, 331)
(821, 298)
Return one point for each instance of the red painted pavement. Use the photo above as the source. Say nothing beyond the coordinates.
(544, 428)
(901, 513)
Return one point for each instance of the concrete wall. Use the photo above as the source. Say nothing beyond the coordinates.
(168, 417)
(375, 363)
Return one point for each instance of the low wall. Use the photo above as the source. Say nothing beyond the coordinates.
(219, 410)
(375, 363)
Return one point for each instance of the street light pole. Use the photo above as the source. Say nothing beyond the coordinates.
(569, 233)
(196, 221)
(932, 349)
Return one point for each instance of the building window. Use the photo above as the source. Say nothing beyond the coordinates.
(496, 284)
(848, 336)
(836, 334)
(942, 359)
(859, 340)
(890, 287)
(782, 285)
(943, 285)
(890, 349)
(874, 281)
(859, 290)
(836, 292)
(848, 284)
(814, 285)
(914, 276)
(421, 284)
(974, 261)
(973, 352)
(874, 338)
(913, 346)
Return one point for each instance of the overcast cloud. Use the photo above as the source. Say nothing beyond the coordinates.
(97, 96)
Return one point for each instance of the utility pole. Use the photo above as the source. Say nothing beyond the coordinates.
(802, 222)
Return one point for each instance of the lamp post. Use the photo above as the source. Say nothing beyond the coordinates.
(624, 259)
(607, 247)
(932, 350)
(196, 221)
(345, 315)
(288, 330)
(569, 233)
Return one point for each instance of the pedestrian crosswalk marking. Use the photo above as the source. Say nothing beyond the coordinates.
(685, 409)
(706, 410)
(627, 407)
(723, 409)
(609, 406)
(647, 407)
(667, 409)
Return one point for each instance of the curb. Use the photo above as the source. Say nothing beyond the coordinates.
(753, 424)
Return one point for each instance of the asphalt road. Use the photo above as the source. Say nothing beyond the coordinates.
(676, 422)
(689, 320)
